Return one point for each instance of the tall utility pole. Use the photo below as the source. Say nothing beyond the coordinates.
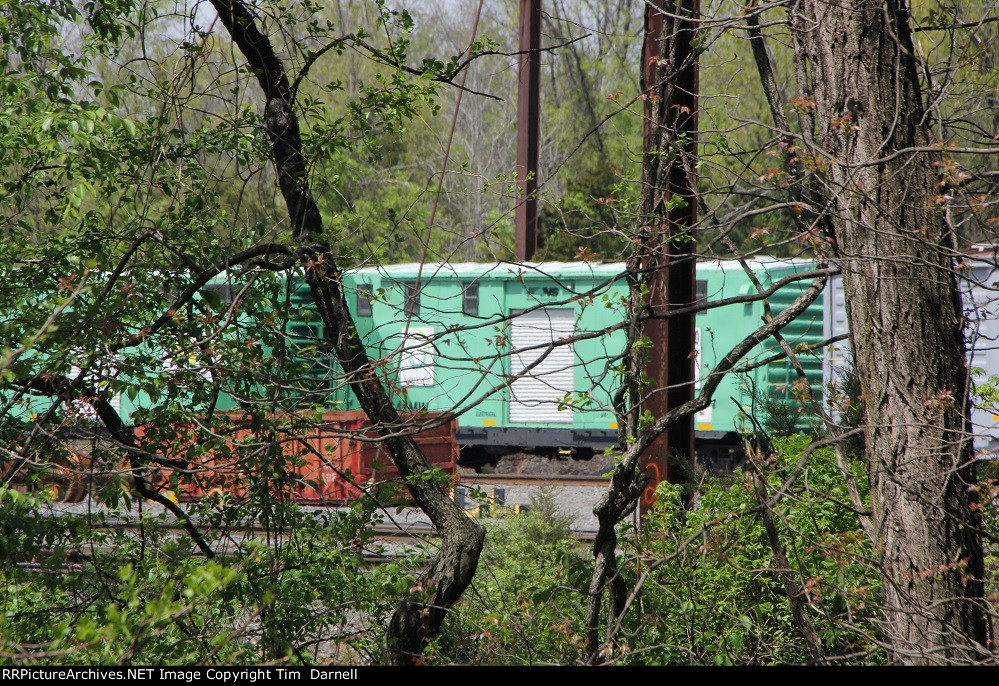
(669, 82)
(528, 114)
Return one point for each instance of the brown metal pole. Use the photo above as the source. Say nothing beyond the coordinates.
(653, 461)
(528, 113)
(672, 283)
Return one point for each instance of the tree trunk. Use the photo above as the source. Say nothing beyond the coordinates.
(419, 618)
(863, 100)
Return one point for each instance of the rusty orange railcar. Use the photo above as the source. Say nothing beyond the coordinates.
(331, 461)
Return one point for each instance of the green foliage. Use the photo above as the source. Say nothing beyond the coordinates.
(134, 160)
(712, 596)
(529, 592)
(583, 224)
(718, 599)
(146, 600)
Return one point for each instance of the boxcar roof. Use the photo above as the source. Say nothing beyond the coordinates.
(545, 270)
(494, 270)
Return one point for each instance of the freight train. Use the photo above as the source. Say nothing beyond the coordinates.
(530, 354)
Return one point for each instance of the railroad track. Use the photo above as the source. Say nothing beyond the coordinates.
(397, 535)
(390, 543)
(389, 536)
(499, 479)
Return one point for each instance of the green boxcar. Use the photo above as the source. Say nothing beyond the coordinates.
(769, 391)
(482, 339)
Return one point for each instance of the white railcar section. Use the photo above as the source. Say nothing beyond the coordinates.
(838, 358)
(537, 394)
(85, 409)
(979, 283)
(416, 364)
